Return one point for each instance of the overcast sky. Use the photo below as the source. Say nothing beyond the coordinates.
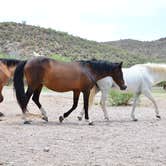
(99, 20)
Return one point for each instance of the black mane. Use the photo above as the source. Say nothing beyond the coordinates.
(99, 65)
(10, 62)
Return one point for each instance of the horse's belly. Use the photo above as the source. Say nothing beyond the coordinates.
(61, 87)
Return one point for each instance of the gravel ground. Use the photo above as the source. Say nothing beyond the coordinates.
(118, 142)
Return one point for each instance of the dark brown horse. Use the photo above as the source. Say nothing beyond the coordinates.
(78, 76)
(7, 68)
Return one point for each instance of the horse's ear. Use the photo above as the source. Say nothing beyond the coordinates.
(120, 64)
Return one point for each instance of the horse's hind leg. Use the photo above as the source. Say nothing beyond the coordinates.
(148, 94)
(29, 93)
(35, 98)
(76, 95)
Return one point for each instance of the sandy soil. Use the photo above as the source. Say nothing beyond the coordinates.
(118, 142)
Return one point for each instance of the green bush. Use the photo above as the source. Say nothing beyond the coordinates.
(161, 84)
(4, 56)
(60, 58)
(117, 98)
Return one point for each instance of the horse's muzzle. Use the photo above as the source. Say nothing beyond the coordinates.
(123, 87)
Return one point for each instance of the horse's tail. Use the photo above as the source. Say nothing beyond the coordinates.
(19, 86)
(93, 92)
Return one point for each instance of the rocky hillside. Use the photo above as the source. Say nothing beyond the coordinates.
(155, 48)
(21, 40)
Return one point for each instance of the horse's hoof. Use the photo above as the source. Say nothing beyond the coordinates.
(91, 124)
(79, 118)
(135, 120)
(61, 118)
(1, 114)
(158, 116)
(106, 118)
(27, 122)
(45, 118)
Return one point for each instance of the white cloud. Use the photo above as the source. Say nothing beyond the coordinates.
(92, 19)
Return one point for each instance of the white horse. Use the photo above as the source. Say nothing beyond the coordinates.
(139, 80)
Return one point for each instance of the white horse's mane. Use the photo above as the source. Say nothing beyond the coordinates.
(155, 67)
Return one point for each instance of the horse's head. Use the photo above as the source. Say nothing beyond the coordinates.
(117, 76)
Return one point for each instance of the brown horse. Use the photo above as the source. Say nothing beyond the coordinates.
(78, 76)
(7, 68)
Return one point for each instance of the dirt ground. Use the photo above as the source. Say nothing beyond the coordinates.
(118, 142)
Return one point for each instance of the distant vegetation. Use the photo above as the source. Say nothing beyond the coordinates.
(21, 40)
(60, 58)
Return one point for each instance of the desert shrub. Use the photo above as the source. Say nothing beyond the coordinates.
(117, 97)
(161, 84)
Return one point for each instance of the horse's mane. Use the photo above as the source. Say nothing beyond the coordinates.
(9, 62)
(99, 65)
(156, 67)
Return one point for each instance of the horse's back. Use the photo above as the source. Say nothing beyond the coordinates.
(136, 77)
(58, 76)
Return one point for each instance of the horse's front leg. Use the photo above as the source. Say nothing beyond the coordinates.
(92, 94)
(1, 99)
(104, 96)
(136, 97)
(76, 95)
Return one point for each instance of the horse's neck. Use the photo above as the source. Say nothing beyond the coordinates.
(100, 76)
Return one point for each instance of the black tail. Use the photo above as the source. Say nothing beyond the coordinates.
(19, 85)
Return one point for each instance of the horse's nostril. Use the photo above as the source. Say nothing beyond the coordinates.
(123, 87)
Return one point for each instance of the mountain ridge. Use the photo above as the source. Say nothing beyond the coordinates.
(21, 40)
